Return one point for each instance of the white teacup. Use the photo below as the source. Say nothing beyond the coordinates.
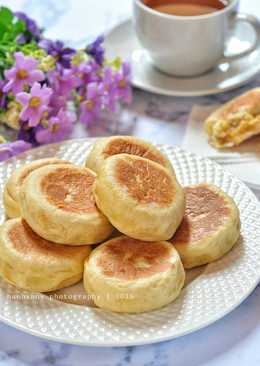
(190, 45)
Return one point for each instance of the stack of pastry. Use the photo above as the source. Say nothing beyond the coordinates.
(57, 211)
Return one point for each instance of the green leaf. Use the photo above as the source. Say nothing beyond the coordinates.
(10, 28)
(10, 25)
(6, 15)
(19, 26)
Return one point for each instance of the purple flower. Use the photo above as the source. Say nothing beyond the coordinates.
(3, 100)
(56, 49)
(24, 72)
(10, 149)
(31, 27)
(91, 107)
(122, 80)
(57, 102)
(34, 104)
(63, 81)
(87, 71)
(110, 90)
(59, 127)
(96, 50)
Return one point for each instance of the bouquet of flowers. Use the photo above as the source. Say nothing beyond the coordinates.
(45, 87)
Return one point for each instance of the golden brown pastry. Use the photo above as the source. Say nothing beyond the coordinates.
(29, 262)
(58, 203)
(108, 146)
(236, 121)
(141, 198)
(128, 275)
(210, 227)
(13, 185)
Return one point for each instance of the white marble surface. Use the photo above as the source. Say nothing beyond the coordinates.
(232, 341)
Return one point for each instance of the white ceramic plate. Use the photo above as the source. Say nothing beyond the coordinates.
(122, 41)
(211, 293)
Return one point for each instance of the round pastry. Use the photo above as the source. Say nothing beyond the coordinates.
(109, 146)
(210, 227)
(13, 185)
(29, 262)
(139, 197)
(128, 275)
(58, 203)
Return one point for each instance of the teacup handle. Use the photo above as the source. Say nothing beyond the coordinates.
(255, 24)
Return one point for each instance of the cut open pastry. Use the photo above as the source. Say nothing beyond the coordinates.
(105, 147)
(236, 121)
(58, 203)
(32, 263)
(128, 275)
(210, 227)
(13, 185)
(141, 198)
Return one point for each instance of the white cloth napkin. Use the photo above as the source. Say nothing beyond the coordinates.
(243, 161)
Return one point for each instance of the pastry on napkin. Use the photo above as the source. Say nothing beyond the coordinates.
(242, 161)
(235, 121)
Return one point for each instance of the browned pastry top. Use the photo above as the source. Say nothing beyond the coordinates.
(70, 189)
(29, 168)
(128, 259)
(145, 181)
(27, 242)
(249, 99)
(126, 145)
(205, 212)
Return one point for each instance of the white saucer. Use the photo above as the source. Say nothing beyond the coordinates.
(122, 41)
